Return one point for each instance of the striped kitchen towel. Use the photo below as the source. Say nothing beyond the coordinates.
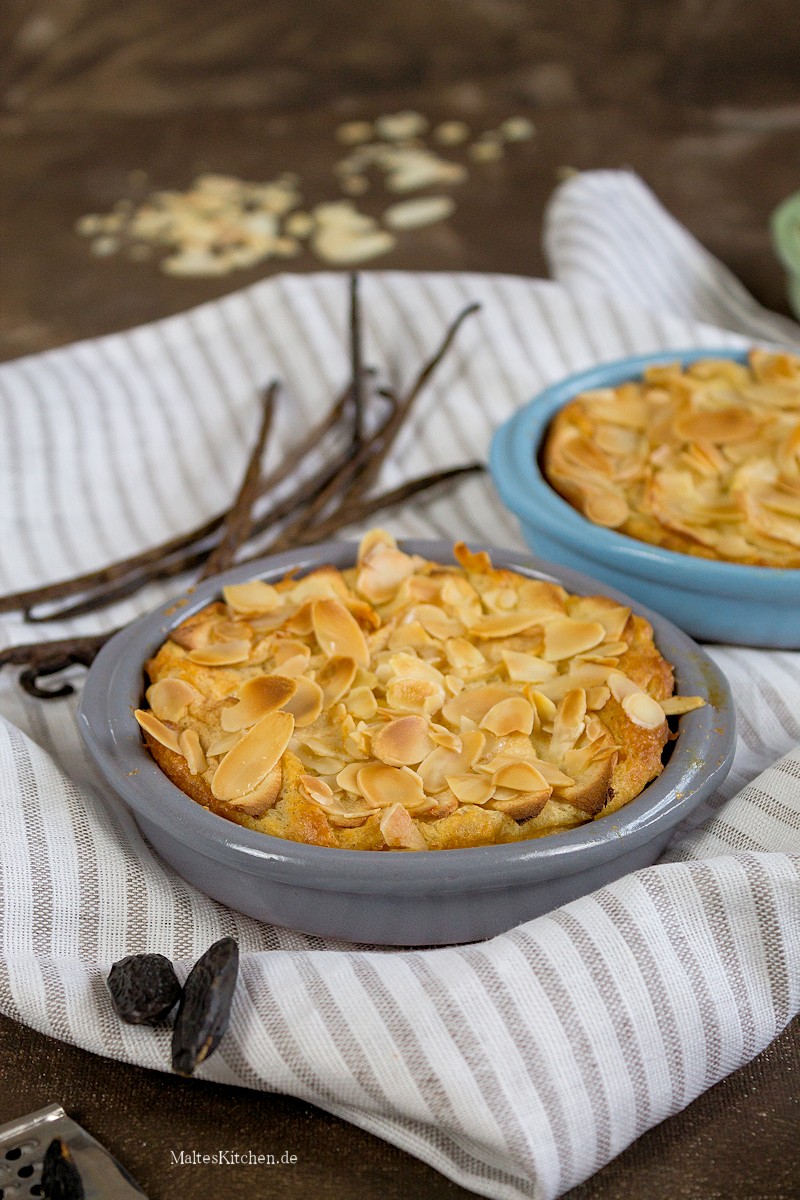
(518, 1066)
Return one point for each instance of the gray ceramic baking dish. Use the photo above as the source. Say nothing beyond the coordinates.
(444, 896)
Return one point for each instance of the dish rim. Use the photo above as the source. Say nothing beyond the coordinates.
(112, 737)
(523, 487)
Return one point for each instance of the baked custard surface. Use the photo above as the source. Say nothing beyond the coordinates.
(705, 461)
(405, 704)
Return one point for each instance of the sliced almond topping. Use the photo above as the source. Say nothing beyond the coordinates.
(399, 831)
(675, 706)
(221, 743)
(552, 775)
(158, 730)
(581, 674)
(221, 654)
(500, 625)
(295, 666)
(475, 703)
(252, 599)
(597, 698)
(564, 637)
(527, 668)
(415, 695)
(383, 570)
(621, 686)
(257, 697)
(383, 786)
(192, 751)
(725, 425)
(373, 538)
(316, 788)
(301, 620)
(288, 649)
(471, 789)
(514, 715)
(440, 763)
(403, 742)
(253, 756)
(521, 806)
(442, 736)
(411, 634)
(261, 798)
(643, 710)
(338, 633)
(347, 778)
(568, 723)
(336, 678)
(437, 623)
(545, 707)
(521, 777)
(170, 698)
(454, 684)
(361, 703)
(306, 703)
(463, 656)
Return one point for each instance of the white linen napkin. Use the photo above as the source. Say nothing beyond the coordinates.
(518, 1066)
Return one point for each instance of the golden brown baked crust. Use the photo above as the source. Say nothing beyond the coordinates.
(705, 461)
(404, 704)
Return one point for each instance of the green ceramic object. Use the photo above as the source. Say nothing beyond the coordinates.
(785, 223)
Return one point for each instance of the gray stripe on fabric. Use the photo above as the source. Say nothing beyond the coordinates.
(616, 1011)
(655, 887)
(657, 985)
(202, 418)
(575, 1034)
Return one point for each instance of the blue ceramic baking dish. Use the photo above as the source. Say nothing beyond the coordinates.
(713, 601)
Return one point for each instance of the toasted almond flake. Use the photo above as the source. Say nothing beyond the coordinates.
(621, 686)
(257, 697)
(475, 703)
(221, 743)
(293, 667)
(383, 568)
(521, 806)
(597, 698)
(262, 797)
(564, 637)
(336, 677)
(581, 674)
(417, 213)
(401, 126)
(552, 775)
(403, 742)
(336, 244)
(521, 777)
(500, 625)
(410, 635)
(338, 633)
(568, 724)
(252, 599)
(462, 655)
(643, 710)
(361, 703)
(514, 715)
(410, 694)
(454, 684)
(253, 757)
(471, 789)
(399, 831)
(300, 621)
(675, 706)
(451, 133)
(545, 707)
(221, 654)
(732, 424)
(440, 735)
(437, 623)
(290, 648)
(527, 668)
(517, 129)
(436, 766)
(150, 723)
(170, 698)
(347, 778)
(305, 704)
(382, 786)
(192, 751)
(352, 133)
(316, 788)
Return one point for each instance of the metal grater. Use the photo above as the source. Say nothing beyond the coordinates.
(22, 1147)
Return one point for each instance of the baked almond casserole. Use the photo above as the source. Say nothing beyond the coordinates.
(406, 704)
(705, 461)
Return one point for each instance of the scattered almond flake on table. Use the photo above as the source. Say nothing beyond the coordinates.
(423, 210)
(222, 223)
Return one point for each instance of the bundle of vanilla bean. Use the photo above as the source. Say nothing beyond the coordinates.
(361, 427)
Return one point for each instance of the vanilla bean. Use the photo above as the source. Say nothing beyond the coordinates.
(403, 405)
(239, 520)
(42, 659)
(355, 512)
(149, 564)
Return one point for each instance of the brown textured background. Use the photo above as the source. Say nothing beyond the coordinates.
(701, 97)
